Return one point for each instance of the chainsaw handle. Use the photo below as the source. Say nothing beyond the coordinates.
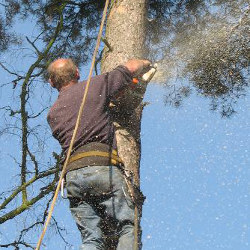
(147, 76)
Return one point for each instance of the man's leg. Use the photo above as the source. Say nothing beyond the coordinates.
(88, 223)
(121, 208)
(126, 240)
(101, 194)
(84, 213)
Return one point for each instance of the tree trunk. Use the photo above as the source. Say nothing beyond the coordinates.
(125, 33)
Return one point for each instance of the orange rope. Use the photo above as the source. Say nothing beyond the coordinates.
(76, 126)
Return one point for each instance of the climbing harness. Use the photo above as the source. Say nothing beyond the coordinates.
(112, 157)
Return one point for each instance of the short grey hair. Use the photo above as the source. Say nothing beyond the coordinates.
(62, 75)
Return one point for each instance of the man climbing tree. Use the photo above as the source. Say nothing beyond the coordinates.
(100, 199)
(207, 41)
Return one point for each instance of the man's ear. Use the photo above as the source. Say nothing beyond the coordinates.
(77, 74)
(51, 83)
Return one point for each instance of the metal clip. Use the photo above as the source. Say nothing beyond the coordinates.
(62, 189)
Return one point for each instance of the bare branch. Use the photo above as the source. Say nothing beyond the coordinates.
(13, 213)
(107, 44)
(59, 229)
(23, 96)
(33, 158)
(16, 245)
(35, 116)
(11, 72)
(33, 45)
(12, 112)
(28, 183)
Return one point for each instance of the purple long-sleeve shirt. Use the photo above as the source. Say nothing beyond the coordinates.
(95, 124)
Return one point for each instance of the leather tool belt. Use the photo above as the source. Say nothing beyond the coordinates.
(93, 154)
(99, 154)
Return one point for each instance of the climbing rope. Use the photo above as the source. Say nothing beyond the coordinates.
(76, 126)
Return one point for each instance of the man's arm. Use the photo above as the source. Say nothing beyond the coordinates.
(137, 67)
(122, 76)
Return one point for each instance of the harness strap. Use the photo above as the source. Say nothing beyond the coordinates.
(114, 158)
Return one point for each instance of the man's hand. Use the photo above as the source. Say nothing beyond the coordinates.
(137, 66)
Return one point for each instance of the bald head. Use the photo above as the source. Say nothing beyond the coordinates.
(62, 72)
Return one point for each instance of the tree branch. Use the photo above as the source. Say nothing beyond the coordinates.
(35, 116)
(10, 72)
(28, 183)
(33, 45)
(33, 158)
(24, 92)
(16, 245)
(29, 203)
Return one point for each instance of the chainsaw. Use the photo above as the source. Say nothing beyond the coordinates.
(146, 77)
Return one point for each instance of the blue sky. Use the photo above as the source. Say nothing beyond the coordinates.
(194, 173)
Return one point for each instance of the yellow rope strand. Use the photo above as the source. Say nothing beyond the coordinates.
(76, 126)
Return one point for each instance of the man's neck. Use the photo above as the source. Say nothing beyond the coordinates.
(68, 85)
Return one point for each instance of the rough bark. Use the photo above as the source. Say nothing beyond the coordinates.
(125, 33)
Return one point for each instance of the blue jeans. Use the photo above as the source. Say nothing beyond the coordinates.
(101, 205)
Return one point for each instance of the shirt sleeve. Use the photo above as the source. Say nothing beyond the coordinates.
(118, 79)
